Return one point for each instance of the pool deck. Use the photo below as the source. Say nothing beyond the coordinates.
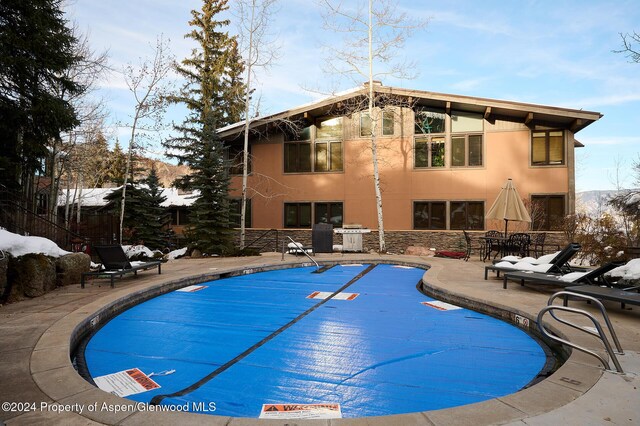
(41, 386)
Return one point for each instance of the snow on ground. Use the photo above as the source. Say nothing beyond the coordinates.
(132, 251)
(176, 253)
(629, 271)
(19, 245)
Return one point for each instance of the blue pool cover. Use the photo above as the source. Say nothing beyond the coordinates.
(258, 339)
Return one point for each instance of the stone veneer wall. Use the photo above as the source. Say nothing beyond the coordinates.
(396, 241)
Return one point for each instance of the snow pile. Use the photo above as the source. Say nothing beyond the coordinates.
(19, 245)
(137, 251)
(176, 253)
(630, 271)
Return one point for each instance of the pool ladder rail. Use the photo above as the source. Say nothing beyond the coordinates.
(599, 332)
(301, 249)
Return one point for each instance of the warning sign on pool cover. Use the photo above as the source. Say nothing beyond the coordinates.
(301, 411)
(127, 382)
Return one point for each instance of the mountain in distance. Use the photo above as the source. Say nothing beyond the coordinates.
(595, 203)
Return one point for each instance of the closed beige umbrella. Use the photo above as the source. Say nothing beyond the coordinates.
(508, 206)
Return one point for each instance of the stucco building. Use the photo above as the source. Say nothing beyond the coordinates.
(443, 159)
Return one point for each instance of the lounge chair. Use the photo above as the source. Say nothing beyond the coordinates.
(116, 264)
(606, 293)
(558, 265)
(593, 277)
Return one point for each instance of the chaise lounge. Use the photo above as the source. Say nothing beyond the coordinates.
(116, 264)
(557, 265)
(606, 293)
(593, 277)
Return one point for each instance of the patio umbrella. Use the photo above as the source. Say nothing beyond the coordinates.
(508, 206)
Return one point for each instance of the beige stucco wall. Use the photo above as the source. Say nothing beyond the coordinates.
(506, 155)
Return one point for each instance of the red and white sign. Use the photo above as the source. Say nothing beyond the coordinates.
(127, 382)
(301, 411)
(339, 296)
(441, 306)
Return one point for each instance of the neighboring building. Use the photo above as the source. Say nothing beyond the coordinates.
(102, 226)
(443, 160)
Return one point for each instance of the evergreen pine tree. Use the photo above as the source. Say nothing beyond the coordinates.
(211, 230)
(213, 95)
(153, 219)
(117, 162)
(133, 213)
(36, 48)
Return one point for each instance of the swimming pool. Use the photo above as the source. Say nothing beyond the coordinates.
(361, 336)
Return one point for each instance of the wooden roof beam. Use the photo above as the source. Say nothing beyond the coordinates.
(528, 121)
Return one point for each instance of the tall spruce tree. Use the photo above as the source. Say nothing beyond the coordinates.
(211, 228)
(213, 96)
(153, 218)
(36, 48)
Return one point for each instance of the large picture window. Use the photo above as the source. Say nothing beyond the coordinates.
(297, 157)
(466, 215)
(548, 212)
(547, 147)
(429, 151)
(429, 215)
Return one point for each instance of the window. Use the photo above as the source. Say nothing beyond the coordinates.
(328, 156)
(429, 120)
(235, 207)
(548, 212)
(297, 215)
(466, 215)
(547, 147)
(330, 129)
(324, 153)
(297, 157)
(179, 216)
(429, 215)
(235, 157)
(429, 151)
(328, 213)
(464, 122)
(466, 150)
(387, 123)
(365, 124)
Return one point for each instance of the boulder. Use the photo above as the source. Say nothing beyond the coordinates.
(196, 253)
(69, 268)
(418, 251)
(31, 275)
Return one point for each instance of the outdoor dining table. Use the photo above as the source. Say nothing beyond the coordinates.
(489, 242)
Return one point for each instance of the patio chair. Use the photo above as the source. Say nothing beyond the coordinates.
(538, 244)
(467, 240)
(116, 264)
(558, 265)
(593, 277)
(518, 244)
(491, 244)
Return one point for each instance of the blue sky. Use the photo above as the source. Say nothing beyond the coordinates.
(552, 53)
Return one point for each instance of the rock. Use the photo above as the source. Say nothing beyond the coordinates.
(69, 268)
(31, 275)
(418, 251)
(196, 254)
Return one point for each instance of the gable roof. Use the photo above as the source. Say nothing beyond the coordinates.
(492, 109)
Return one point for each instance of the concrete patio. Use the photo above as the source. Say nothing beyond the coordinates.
(40, 385)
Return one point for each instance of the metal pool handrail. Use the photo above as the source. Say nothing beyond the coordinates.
(600, 333)
(301, 249)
